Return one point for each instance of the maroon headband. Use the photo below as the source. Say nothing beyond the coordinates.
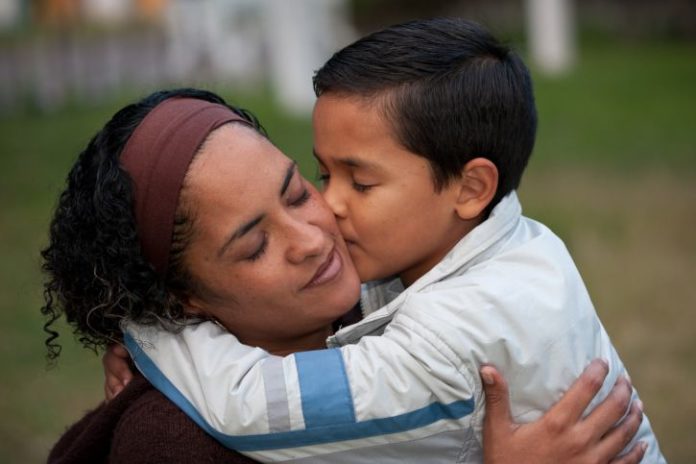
(157, 156)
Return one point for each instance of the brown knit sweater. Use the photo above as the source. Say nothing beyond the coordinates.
(140, 425)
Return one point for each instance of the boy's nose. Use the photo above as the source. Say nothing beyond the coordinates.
(305, 240)
(335, 201)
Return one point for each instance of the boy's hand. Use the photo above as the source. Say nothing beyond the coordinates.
(117, 372)
(562, 435)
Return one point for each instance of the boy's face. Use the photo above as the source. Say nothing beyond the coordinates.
(383, 196)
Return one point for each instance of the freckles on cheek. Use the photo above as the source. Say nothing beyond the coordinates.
(324, 217)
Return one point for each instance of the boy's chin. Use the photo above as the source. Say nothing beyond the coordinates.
(369, 275)
(368, 269)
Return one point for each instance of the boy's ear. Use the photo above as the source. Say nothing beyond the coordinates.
(477, 186)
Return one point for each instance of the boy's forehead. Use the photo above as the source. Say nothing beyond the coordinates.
(352, 133)
(353, 113)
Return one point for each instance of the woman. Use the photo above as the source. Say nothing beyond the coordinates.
(157, 225)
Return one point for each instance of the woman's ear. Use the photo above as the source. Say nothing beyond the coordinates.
(193, 305)
(477, 186)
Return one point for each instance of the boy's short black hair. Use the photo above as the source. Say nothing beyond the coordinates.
(451, 91)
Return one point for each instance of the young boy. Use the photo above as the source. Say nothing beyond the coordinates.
(422, 132)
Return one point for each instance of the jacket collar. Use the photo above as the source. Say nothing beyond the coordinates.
(380, 299)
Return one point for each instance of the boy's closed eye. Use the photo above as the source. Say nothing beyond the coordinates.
(323, 178)
(361, 188)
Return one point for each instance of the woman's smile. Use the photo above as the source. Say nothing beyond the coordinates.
(328, 271)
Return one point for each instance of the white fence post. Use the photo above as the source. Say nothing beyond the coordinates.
(551, 33)
(302, 36)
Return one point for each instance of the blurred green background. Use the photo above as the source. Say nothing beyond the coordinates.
(613, 173)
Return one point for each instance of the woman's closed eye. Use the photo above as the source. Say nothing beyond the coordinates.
(300, 199)
(295, 202)
(260, 249)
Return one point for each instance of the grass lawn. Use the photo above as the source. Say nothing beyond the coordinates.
(614, 173)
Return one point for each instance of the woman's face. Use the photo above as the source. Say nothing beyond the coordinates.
(265, 249)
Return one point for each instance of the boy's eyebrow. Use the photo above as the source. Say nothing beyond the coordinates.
(316, 155)
(246, 227)
(351, 162)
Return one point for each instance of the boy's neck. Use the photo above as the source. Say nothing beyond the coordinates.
(418, 270)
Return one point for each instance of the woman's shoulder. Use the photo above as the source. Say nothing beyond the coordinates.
(153, 429)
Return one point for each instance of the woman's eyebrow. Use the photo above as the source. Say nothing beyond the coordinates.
(288, 177)
(246, 227)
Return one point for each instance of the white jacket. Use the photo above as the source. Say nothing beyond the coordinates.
(402, 385)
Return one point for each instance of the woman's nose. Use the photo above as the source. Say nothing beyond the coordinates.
(305, 240)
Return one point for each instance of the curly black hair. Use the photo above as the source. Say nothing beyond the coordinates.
(96, 273)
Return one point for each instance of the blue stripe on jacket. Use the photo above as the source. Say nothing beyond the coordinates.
(329, 414)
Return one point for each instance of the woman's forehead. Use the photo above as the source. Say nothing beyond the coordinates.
(234, 164)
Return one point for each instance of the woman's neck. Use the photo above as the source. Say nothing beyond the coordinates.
(308, 342)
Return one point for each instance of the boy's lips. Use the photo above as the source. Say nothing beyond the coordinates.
(329, 269)
(348, 240)
(352, 246)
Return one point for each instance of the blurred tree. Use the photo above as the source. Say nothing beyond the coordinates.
(56, 12)
(613, 18)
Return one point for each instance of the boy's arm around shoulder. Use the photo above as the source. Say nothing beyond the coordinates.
(394, 387)
(206, 372)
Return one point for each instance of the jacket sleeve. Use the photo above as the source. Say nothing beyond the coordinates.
(398, 387)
